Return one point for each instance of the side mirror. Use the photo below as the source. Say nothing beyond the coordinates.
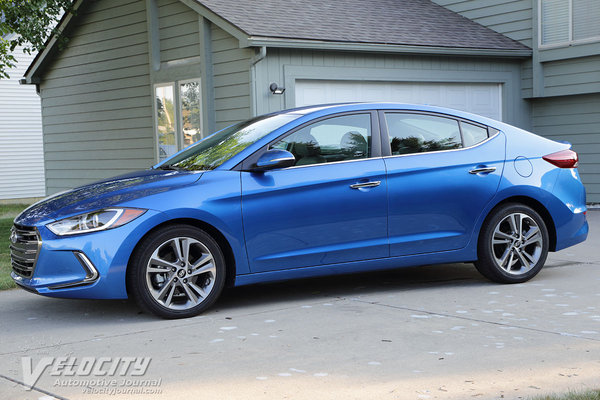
(273, 159)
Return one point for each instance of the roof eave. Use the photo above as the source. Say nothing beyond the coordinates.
(30, 77)
(216, 19)
(255, 41)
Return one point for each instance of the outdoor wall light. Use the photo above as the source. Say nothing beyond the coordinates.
(275, 89)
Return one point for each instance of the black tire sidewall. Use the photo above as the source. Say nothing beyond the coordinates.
(137, 271)
(486, 263)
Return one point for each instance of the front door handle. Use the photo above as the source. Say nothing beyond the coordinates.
(365, 185)
(484, 170)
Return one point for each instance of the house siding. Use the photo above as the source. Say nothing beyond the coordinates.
(572, 76)
(527, 79)
(281, 66)
(179, 31)
(577, 120)
(21, 146)
(96, 98)
(231, 78)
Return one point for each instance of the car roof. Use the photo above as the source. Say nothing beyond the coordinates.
(318, 110)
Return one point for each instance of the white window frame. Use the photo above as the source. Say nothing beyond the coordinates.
(178, 123)
(570, 41)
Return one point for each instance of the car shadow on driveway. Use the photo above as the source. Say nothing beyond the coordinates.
(260, 296)
(351, 285)
(240, 300)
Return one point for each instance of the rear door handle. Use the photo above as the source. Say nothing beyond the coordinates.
(484, 170)
(365, 185)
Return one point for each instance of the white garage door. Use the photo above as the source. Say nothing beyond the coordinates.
(479, 98)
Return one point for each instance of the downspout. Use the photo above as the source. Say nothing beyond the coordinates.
(262, 53)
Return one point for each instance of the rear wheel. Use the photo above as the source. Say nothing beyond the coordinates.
(177, 272)
(513, 244)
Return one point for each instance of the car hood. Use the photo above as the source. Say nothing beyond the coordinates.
(107, 193)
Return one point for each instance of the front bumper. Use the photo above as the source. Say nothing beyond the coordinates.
(91, 265)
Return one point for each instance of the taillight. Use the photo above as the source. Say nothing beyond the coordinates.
(563, 159)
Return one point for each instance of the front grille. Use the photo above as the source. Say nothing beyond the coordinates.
(25, 245)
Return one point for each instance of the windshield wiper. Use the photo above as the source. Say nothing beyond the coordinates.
(171, 168)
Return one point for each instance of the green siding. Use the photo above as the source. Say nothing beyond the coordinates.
(279, 63)
(179, 31)
(577, 120)
(512, 18)
(96, 98)
(231, 78)
(527, 79)
(572, 76)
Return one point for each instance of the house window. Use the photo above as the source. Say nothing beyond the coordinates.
(178, 116)
(569, 21)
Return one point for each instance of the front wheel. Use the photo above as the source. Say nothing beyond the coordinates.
(513, 244)
(177, 272)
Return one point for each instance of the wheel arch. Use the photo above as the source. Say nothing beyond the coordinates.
(537, 206)
(230, 262)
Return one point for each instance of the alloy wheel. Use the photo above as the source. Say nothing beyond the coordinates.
(181, 273)
(517, 243)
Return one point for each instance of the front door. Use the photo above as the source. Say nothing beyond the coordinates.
(330, 207)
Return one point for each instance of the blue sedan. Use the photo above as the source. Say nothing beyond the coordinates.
(306, 192)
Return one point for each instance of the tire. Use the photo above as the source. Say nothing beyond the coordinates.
(176, 272)
(513, 244)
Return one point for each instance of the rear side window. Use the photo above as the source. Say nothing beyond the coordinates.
(415, 133)
(473, 134)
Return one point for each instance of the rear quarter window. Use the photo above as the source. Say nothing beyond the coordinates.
(473, 134)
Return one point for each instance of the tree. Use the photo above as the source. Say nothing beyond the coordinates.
(28, 23)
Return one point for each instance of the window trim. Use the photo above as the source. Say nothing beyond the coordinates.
(249, 162)
(570, 41)
(385, 138)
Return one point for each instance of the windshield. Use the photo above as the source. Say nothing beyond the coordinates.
(216, 149)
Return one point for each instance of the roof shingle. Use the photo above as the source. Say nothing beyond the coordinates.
(397, 22)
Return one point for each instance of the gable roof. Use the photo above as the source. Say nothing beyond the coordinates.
(388, 22)
(410, 26)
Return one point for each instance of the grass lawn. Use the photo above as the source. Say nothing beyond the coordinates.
(587, 395)
(7, 213)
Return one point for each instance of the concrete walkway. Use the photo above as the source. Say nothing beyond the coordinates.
(435, 332)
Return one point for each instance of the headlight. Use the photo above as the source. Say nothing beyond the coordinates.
(95, 221)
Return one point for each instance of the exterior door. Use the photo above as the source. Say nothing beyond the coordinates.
(439, 181)
(330, 207)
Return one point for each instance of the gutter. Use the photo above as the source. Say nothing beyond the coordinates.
(383, 48)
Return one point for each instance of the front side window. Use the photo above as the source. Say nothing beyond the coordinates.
(567, 21)
(341, 138)
(178, 116)
(416, 133)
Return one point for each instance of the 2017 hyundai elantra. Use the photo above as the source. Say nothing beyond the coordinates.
(306, 192)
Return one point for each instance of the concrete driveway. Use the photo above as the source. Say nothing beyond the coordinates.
(435, 332)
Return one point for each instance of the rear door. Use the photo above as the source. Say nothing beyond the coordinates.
(439, 180)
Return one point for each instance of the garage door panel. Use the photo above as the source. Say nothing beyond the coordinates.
(478, 98)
